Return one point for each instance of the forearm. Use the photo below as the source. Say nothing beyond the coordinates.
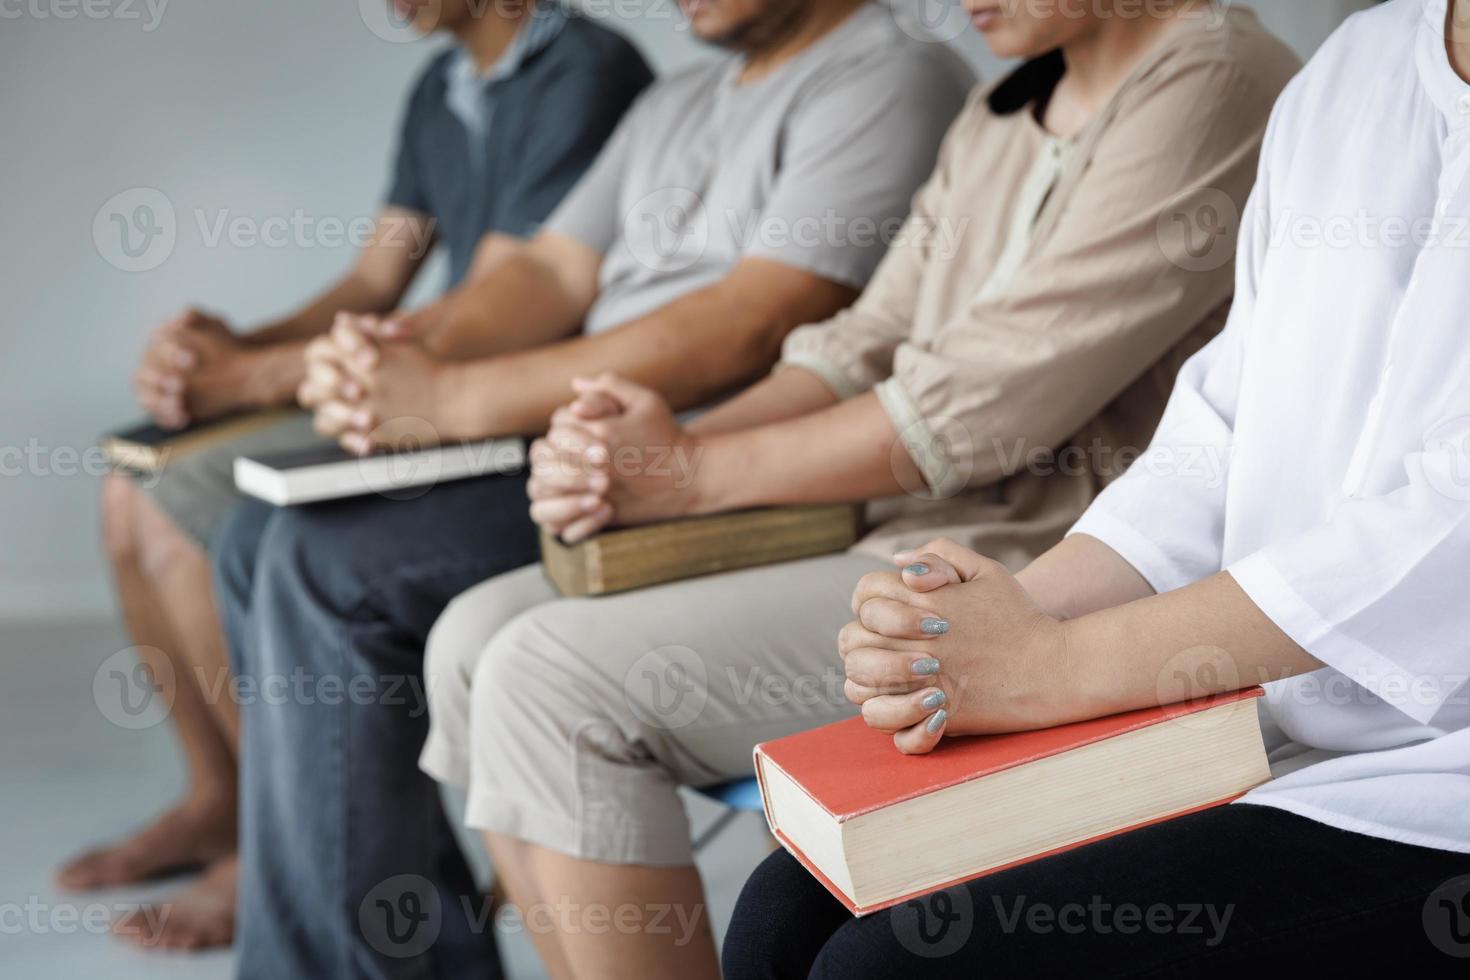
(1205, 638)
(1082, 575)
(788, 393)
(848, 452)
(523, 302)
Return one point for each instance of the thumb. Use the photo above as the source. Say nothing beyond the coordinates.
(595, 405)
(399, 326)
(627, 394)
(926, 572)
(942, 553)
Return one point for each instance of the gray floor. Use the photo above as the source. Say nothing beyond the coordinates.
(71, 777)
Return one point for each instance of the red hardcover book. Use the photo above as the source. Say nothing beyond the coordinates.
(878, 827)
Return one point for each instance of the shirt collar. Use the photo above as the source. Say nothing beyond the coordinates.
(1447, 90)
(467, 85)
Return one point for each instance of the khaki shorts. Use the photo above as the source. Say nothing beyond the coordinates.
(197, 491)
(571, 723)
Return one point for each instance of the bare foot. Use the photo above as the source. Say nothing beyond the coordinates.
(202, 916)
(186, 838)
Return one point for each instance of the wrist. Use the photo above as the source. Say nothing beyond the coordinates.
(269, 376)
(711, 488)
(454, 413)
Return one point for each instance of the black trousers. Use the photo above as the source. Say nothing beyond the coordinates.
(1226, 892)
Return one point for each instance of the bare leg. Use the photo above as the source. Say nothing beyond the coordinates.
(201, 827)
(611, 921)
(163, 586)
(511, 860)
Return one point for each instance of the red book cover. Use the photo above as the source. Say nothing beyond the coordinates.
(850, 769)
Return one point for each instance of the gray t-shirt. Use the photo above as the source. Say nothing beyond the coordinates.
(812, 166)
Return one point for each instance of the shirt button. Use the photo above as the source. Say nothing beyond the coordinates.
(1444, 206)
(1463, 104)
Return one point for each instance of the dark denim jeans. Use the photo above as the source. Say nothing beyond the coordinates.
(349, 868)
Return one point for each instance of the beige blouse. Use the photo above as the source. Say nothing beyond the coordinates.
(1024, 330)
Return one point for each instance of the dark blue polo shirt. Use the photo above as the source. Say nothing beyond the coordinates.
(543, 114)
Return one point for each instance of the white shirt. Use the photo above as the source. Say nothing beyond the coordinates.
(1319, 448)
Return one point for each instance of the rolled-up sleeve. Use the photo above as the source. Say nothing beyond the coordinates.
(1112, 290)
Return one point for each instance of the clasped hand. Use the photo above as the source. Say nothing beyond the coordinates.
(951, 644)
(614, 454)
(371, 386)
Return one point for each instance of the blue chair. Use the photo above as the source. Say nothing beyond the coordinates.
(739, 796)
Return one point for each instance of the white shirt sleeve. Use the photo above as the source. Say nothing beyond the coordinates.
(1377, 592)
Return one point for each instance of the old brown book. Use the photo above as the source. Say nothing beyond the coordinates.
(147, 447)
(636, 557)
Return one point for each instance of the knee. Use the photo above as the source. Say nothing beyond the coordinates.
(525, 675)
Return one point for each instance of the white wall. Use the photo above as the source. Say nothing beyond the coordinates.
(267, 109)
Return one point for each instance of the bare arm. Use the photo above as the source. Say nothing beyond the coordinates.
(691, 350)
(786, 394)
(520, 297)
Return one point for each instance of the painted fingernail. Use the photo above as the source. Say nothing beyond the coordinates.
(917, 568)
(934, 626)
(936, 721)
(933, 700)
(926, 666)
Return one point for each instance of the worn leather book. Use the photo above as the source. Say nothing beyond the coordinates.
(877, 827)
(637, 557)
(147, 447)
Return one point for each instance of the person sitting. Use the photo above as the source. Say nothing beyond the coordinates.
(1041, 297)
(1321, 552)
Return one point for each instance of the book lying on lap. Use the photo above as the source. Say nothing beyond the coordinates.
(877, 827)
(637, 557)
(147, 447)
(303, 476)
